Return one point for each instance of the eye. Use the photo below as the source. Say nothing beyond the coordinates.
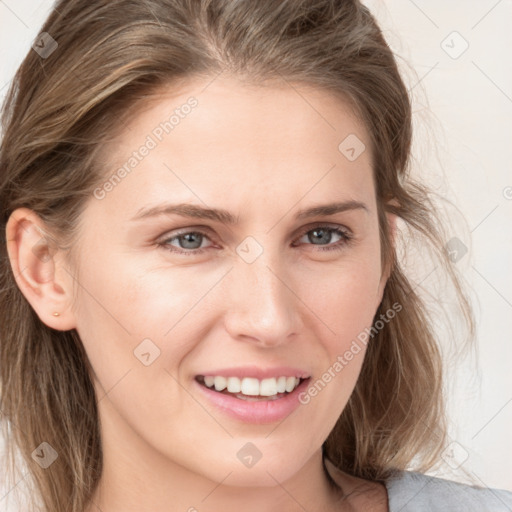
(323, 235)
(190, 243)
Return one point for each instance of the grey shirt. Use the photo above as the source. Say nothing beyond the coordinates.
(409, 491)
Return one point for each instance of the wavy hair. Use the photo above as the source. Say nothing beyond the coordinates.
(114, 55)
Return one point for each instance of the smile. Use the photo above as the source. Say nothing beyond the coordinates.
(252, 400)
(251, 388)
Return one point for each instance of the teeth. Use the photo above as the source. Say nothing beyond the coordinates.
(290, 384)
(220, 383)
(234, 385)
(281, 384)
(268, 387)
(250, 386)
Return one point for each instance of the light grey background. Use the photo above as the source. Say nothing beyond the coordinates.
(463, 143)
(463, 147)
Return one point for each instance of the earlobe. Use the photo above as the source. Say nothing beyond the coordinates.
(34, 260)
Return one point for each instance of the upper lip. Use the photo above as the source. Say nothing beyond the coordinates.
(258, 373)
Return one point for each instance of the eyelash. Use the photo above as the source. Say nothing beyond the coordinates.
(338, 246)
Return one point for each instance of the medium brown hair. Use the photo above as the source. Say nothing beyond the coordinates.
(61, 109)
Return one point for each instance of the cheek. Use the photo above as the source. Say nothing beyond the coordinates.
(345, 304)
(119, 293)
(128, 316)
(344, 298)
(136, 329)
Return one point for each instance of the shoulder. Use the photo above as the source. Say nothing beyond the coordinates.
(409, 491)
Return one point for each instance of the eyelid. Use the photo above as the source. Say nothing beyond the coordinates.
(331, 225)
(174, 233)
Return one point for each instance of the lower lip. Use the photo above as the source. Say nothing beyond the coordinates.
(264, 411)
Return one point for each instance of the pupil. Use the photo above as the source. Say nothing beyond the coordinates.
(326, 234)
(187, 237)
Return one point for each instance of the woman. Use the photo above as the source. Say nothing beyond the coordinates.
(172, 338)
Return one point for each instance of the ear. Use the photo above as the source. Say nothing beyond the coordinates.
(35, 259)
(386, 272)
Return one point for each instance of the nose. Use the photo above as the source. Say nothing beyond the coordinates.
(261, 306)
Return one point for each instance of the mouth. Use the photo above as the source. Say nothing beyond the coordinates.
(252, 389)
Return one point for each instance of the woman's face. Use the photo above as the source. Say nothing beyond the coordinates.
(256, 291)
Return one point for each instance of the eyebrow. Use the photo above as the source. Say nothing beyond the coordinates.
(226, 217)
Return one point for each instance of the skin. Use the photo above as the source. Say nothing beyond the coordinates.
(263, 153)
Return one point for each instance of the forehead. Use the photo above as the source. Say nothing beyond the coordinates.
(230, 141)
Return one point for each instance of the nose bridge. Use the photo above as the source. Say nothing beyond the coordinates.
(262, 306)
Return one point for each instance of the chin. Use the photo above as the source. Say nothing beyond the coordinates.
(261, 475)
(263, 472)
